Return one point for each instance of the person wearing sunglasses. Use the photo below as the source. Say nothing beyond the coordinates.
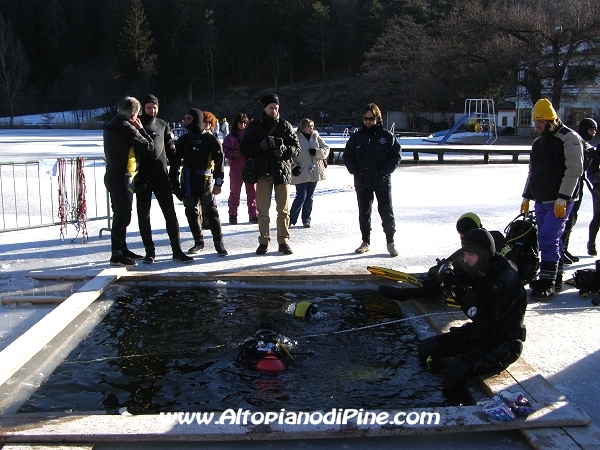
(231, 148)
(372, 154)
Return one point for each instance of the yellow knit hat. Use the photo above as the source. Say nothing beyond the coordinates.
(543, 110)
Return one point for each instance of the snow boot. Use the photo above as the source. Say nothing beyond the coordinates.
(543, 288)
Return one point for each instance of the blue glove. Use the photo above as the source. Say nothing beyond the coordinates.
(497, 409)
(517, 402)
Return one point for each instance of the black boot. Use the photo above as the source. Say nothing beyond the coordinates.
(559, 278)
(571, 257)
(198, 245)
(543, 287)
(219, 247)
(150, 256)
(591, 248)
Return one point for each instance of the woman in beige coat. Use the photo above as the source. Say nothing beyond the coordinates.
(308, 168)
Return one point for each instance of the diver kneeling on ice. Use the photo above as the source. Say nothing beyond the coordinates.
(490, 292)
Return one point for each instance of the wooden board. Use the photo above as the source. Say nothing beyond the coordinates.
(53, 427)
(34, 299)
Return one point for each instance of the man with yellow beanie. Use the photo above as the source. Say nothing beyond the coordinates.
(555, 166)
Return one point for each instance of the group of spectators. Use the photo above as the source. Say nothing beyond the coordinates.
(144, 158)
(479, 279)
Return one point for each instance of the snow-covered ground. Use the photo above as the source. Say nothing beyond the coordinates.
(562, 342)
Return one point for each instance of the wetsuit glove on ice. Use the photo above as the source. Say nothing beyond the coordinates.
(497, 409)
(560, 208)
(296, 171)
(517, 402)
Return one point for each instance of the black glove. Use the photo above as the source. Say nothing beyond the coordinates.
(312, 151)
(450, 282)
(296, 171)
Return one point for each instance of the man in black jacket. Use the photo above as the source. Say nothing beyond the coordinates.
(157, 182)
(272, 143)
(371, 155)
(490, 292)
(125, 141)
(201, 156)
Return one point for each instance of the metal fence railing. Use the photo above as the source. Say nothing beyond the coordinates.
(49, 192)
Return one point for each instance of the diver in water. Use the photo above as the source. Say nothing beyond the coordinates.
(266, 351)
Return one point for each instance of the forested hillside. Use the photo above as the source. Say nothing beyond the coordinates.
(416, 55)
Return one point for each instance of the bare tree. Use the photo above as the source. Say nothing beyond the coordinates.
(553, 41)
(209, 42)
(14, 67)
(276, 57)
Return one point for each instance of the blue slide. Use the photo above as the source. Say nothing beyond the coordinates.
(462, 120)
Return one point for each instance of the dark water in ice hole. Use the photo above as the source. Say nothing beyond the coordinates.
(175, 350)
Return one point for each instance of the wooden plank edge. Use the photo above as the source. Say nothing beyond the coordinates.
(217, 276)
(37, 299)
(103, 428)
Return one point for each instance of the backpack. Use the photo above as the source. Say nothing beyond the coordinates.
(587, 281)
(522, 238)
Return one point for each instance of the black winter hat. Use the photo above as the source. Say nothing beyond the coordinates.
(584, 126)
(198, 117)
(149, 99)
(467, 222)
(480, 242)
(267, 99)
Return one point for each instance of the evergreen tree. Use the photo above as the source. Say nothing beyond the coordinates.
(136, 60)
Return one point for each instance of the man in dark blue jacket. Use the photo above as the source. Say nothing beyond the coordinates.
(371, 155)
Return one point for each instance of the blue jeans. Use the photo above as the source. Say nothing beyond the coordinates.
(303, 202)
(550, 229)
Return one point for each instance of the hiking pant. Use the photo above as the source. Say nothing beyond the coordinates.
(550, 230)
(264, 188)
(386, 212)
